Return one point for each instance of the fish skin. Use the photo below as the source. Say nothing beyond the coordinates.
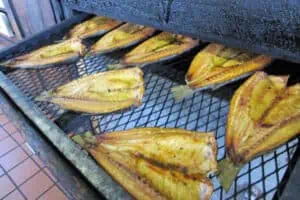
(217, 64)
(96, 26)
(264, 114)
(144, 175)
(158, 48)
(122, 37)
(260, 129)
(103, 92)
(40, 58)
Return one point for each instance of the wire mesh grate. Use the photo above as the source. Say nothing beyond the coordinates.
(34, 82)
(203, 111)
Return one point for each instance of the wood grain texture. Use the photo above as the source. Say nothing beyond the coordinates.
(47, 12)
(34, 15)
(269, 27)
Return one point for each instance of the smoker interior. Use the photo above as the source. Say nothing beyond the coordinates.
(263, 177)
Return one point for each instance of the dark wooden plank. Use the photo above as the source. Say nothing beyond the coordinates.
(61, 12)
(57, 10)
(47, 13)
(20, 7)
(68, 12)
(34, 15)
(270, 27)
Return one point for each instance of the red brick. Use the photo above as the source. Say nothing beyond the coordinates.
(3, 119)
(13, 158)
(3, 134)
(15, 195)
(54, 193)
(38, 184)
(10, 128)
(23, 171)
(62, 188)
(38, 161)
(27, 149)
(6, 186)
(18, 137)
(50, 174)
(7, 145)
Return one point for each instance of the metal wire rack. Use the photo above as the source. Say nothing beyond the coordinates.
(204, 111)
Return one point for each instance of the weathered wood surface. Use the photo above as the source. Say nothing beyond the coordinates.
(33, 15)
(271, 26)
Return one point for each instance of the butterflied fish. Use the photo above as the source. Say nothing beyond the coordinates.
(264, 114)
(65, 52)
(216, 66)
(161, 47)
(156, 163)
(96, 26)
(125, 36)
(103, 92)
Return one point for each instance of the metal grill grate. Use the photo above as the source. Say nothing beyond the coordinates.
(204, 111)
(33, 82)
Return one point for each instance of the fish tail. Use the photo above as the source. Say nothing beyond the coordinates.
(44, 96)
(181, 91)
(116, 66)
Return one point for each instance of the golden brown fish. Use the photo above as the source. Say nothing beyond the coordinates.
(125, 36)
(216, 66)
(157, 163)
(65, 52)
(161, 47)
(103, 92)
(264, 114)
(96, 26)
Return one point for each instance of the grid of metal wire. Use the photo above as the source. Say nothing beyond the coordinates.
(204, 111)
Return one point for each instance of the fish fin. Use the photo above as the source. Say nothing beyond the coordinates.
(44, 96)
(88, 134)
(8, 62)
(90, 53)
(86, 141)
(5, 63)
(79, 140)
(59, 41)
(227, 172)
(90, 138)
(181, 91)
(115, 66)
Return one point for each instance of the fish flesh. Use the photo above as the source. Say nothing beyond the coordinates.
(162, 47)
(99, 93)
(216, 66)
(96, 26)
(156, 163)
(68, 51)
(125, 36)
(264, 114)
